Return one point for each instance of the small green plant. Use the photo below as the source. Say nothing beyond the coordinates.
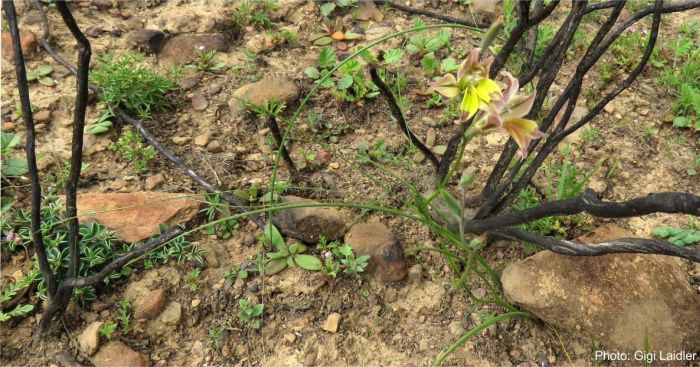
(107, 328)
(42, 75)
(334, 33)
(545, 34)
(349, 82)
(234, 273)
(250, 313)
(590, 135)
(126, 82)
(124, 315)
(255, 13)
(694, 166)
(11, 166)
(328, 7)
(215, 209)
(285, 36)
(379, 152)
(206, 61)
(340, 257)
(292, 255)
(131, 148)
(308, 156)
(102, 124)
(679, 236)
(214, 336)
(13, 290)
(192, 278)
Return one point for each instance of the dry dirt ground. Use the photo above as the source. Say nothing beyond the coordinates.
(406, 323)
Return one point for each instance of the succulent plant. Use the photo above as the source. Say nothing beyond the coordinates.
(333, 33)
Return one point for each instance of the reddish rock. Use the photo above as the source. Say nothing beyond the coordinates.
(182, 48)
(617, 300)
(42, 116)
(309, 224)
(28, 43)
(136, 216)
(116, 353)
(281, 89)
(147, 40)
(154, 181)
(386, 254)
(151, 305)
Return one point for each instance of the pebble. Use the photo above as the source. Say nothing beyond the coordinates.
(154, 181)
(199, 102)
(332, 322)
(248, 240)
(415, 275)
(609, 108)
(8, 126)
(215, 147)
(334, 165)
(290, 338)
(644, 112)
(254, 288)
(196, 302)
(190, 82)
(42, 116)
(214, 89)
(180, 140)
(201, 140)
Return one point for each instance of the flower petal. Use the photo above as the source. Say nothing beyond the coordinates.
(469, 63)
(523, 131)
(470, 102)
(446, 85)
(484, 89)
(521, 105)
(511, 87)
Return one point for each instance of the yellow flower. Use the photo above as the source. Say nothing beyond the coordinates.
(472, 81)
(506, 113)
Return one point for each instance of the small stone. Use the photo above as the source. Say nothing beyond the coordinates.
(201, 140)
(116, 353)
(282, 89)
(190, 82)
(290, 338)
(148, 40)
(248, 240)
(105, 314)
(456, 328)
(151, 305)
(8, 126)
(214, 89)
(609, 108)
(28, 42)
(415, 275)
(215, 147)
(260, 43)
(644, 112)
(331, 323)
(154, 181)
(334, 165)
(180, 140)
(40, 127)
(199, 102)
(182, 48)
(196, 302)
(308, 224)
(254, 287)
(134, 23)
(618, 116)
(323, 157)
(94, 32)
(386, 254)
(42, 116)
(172, 314)
(89, 339)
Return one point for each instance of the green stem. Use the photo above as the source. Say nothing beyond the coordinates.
(468, 135)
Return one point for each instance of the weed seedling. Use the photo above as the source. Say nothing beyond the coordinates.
(292, 255)
(11, 166)
(131, 148)
(107, 328)
(206, 61)
(192, 278)
(250, 313)
(42, 75)
(214, 210)
(124, 315)
(236, 272)
(214, 336)
(102, 124)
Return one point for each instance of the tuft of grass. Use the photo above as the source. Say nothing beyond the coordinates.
(127, 83)
(131, 148)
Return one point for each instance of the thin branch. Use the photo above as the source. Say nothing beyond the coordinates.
(515, 35)
(275, 129)
(81, 100)
(427, 13)
(398, 115)
(622, 245)
(588, 202)
(30, 148)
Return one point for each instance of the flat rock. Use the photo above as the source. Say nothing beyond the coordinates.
(136, 216)
(332, 322)
(28, 42)
(387, 260)
(151, 305)
(147, 40)
(166, 322)
(89, 339)
(615, 299)
(199, 102)
(116, 353)
(42, 116)
(280, 89)
(181, 48)
(154, 181)
(310, 223)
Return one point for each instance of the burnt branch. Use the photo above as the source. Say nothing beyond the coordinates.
(431, 14)
(81, 101)
(589, 202)
(30, 148)
(398, 115)
(622, 245)
(275, 129)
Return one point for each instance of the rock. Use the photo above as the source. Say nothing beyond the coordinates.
(94, 32)
(134, 23)
(199, 102)
(163, 277)
(166, 322)
(214, 89)
(201, 140)
(260, 43)
(136, 216)
(150, 306)
(289, 338)
(644, 111)
(609, 108)
(180, 140)
(196, 302)
(8, 126)
(215, 147)
(456, 328)
(181, 48)
(196, 354)
(386, 254)
(490, 9)
(42, 116)
(281, 89)
(212, 252)
(116, 353)
(616, 299)
(154, 181)
(248, 240)
(102, 4)
(308, 224)
(89, 339)
(367, 10)
(27, 40)
(415, 275)
(332, 322)
(147, 40)
(190, 82)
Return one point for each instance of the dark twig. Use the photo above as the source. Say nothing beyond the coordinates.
(516, 34)
(622, 245)
(275, 129)
(30, 148)
(66, 286)
(666, 202)
(427, 13)
(398, 115)
(81, 101)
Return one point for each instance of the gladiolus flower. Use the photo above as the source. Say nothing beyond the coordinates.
(506, 113)
(472, 81)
